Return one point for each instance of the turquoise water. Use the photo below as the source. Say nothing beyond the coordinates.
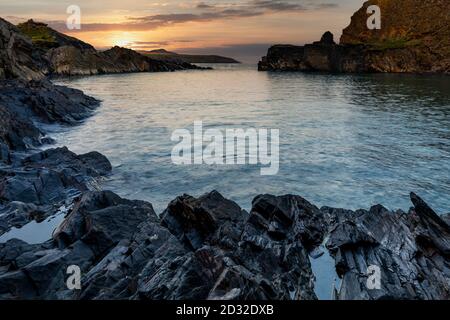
(345, 140)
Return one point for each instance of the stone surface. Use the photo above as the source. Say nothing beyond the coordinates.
(16, 55)
(208, 248)
(411, 250)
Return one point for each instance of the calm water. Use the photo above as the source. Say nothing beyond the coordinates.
(345, 140)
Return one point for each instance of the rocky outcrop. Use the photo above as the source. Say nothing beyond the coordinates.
(17, 58)
(411, 249)
(33, 185)
(208, 248)
(414, 38)
(67, 56)
(68, 60)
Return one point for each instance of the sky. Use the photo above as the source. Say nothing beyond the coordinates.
(242, 29)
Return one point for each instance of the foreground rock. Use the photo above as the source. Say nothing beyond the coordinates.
(411, 249)
(37, 184)
(414, 38)
(208, 248)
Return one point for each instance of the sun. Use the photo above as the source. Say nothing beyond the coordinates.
(121, 42)
(122, 39)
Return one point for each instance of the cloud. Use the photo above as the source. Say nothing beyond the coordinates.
(203, 12)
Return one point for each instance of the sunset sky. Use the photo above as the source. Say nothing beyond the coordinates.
(241, 29)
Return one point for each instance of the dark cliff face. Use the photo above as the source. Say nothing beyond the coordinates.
(414, 38)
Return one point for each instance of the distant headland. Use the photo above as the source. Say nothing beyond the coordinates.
(414, 37)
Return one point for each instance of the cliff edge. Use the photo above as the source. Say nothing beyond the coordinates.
(414, 38)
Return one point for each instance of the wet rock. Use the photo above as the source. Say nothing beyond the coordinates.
(15, 133)
(17, 214)
(44, 182)
(101, 220)
(4, 153)
(52, 176)
(45, 101)
(125, 252)
(91, 164)
(289, 217)
(196, 222)
(410, 249)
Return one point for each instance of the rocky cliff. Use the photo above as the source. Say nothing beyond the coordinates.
(64, 55)
(414, 38)
(17, 55)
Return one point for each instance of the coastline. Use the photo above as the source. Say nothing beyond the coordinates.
(125, 246)
(204, 248)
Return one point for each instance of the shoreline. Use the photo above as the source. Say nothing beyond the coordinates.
(200, 248)
(220, 241)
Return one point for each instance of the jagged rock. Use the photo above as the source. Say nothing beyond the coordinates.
(69, 60)
(46, 102)
(125, 252)
(44, 182)
(4, 152)
(52, 175)
(287, 216)
(65, 55)
(16, 133)
(101, 220)
(207, 219)
(17, 214)
(91, 164)
(16, 55)
(323, 55)
(411, 250)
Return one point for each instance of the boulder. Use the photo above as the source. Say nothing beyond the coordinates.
(92, 164)
(201, 221)
(101, 220)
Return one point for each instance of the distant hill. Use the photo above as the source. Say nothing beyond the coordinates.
(162, 54)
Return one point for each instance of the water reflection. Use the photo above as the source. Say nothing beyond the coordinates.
(346, 140)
